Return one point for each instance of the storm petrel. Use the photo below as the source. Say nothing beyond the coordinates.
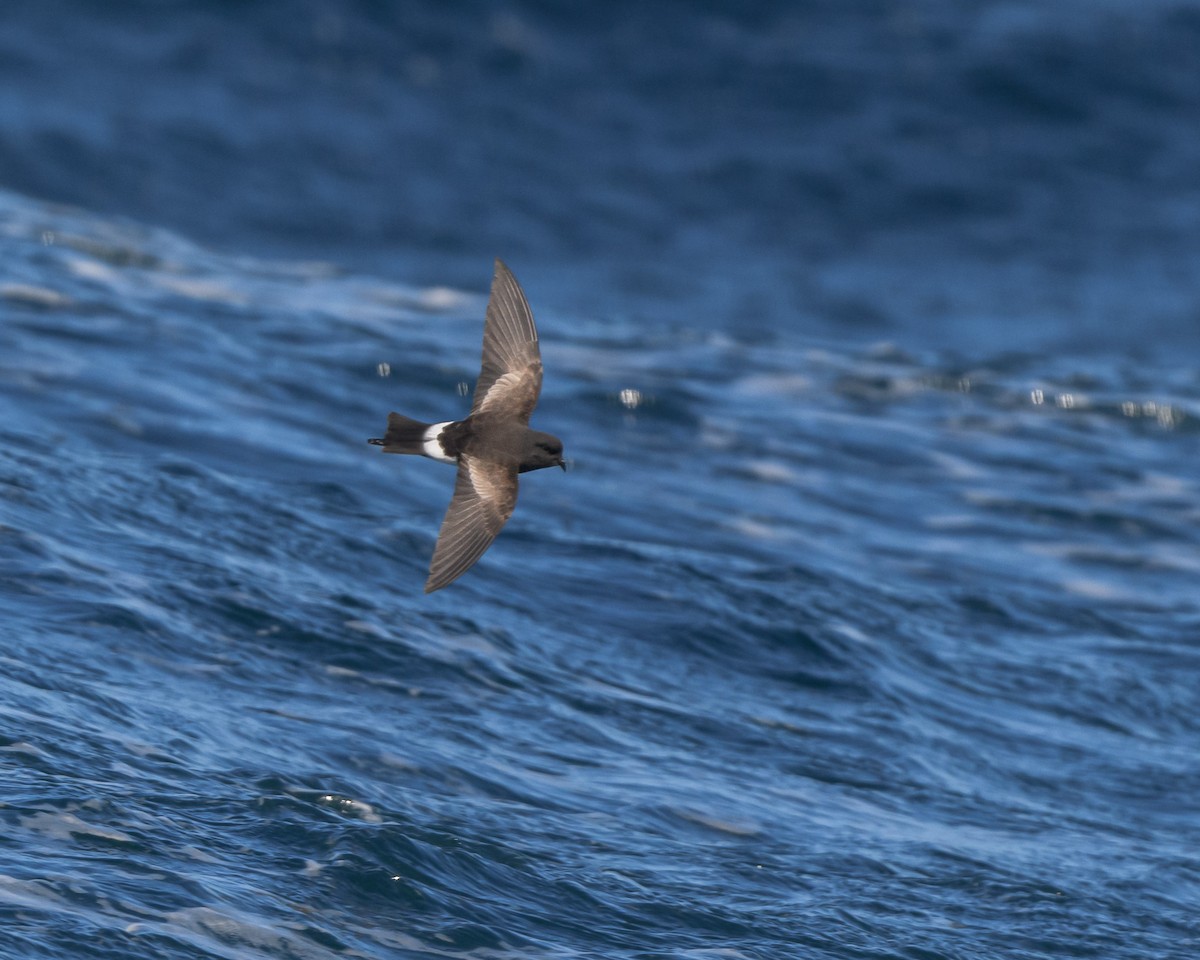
(494, 443)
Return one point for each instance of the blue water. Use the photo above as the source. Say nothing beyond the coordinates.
(865, 623)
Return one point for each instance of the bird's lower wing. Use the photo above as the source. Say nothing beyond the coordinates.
(484, 497)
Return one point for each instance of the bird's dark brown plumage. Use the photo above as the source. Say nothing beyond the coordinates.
(494, 443)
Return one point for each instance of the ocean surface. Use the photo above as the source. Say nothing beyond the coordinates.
(865, 623)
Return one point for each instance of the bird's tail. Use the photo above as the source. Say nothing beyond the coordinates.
(404, 435)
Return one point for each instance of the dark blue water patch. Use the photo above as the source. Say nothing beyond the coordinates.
(820, 649)
(963, 173)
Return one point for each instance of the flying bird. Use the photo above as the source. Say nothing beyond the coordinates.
(494, 443)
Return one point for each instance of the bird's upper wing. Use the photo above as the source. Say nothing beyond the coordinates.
(484, 497)
(511, 375)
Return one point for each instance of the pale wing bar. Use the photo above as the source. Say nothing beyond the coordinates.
(510, 340)
(484, 497)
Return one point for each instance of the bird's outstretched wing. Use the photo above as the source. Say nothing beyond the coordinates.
(484, 497)
(511, 375)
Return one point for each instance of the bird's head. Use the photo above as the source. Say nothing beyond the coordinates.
(545, 450)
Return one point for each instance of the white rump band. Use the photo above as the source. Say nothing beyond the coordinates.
(430, 445)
